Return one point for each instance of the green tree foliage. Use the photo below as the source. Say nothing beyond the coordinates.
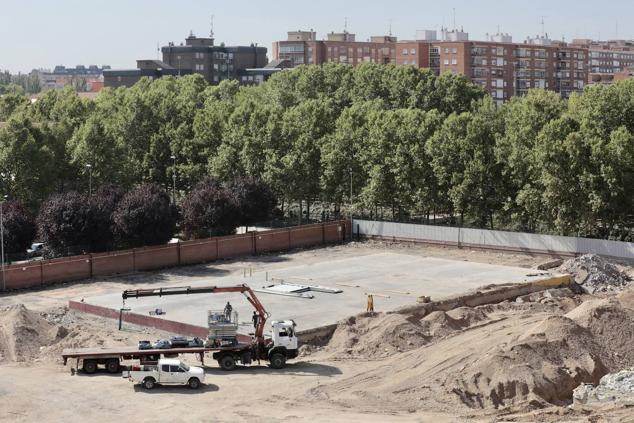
(103, 205)
(143, 217)
(19, 227)
(413, 143)
(209, 210)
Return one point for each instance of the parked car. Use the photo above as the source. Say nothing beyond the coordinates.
(162, 344)
(179, 342)
(184, 342)
(145, 345)
(36, 250)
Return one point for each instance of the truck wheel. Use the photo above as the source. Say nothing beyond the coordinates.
(112, 366)
(90, 366)
(278, 360)
(149, 383)
(227, 362)
(194, 383)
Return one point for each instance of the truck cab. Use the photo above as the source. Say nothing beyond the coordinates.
(284, 343)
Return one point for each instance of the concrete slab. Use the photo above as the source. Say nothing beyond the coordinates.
(392, 274)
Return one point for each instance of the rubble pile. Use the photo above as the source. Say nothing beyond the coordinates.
(595, 275)
(613, 387)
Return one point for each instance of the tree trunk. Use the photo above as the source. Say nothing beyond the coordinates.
(301, 212)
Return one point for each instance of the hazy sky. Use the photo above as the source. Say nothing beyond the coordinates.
(44, 33)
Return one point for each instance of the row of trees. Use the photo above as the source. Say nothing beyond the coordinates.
(408, 144)
(19, 83)
(75, 223)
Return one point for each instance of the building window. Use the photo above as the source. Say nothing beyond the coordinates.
(454, 61)
(446, 61)
(405, 52)
(454, 50)
(446, 50)
(412, 51)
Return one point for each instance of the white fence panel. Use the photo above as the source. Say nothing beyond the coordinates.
(494, 239)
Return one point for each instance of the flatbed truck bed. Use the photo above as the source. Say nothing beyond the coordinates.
(111, 357)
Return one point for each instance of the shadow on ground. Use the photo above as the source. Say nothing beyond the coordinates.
(299, 368)
(178, 389)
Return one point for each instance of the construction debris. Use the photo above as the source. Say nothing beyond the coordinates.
(595, 275)
(614, 387)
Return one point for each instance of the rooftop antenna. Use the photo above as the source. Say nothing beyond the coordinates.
(390, 28)
(211, 30)
(454, 18)
(543, 23)
(345, 24)
(158, 51)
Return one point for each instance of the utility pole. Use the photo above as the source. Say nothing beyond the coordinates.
(173, 157)
(4, 283)
(350, 170)
(89, 167)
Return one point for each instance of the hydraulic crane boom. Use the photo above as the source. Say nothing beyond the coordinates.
(188, 290)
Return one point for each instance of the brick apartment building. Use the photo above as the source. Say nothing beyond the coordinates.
(608, 60)
(197, 55)
(501, 67)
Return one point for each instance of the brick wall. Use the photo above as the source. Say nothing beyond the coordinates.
(75, 268)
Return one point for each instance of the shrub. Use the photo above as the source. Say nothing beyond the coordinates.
(19, 227)
(104, 203)
(254, 199)
(144, 217)
(65, 224)
(209, 210)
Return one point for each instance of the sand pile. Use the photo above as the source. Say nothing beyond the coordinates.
(382, 335)
(595, 275)
(23, 333)
(507, 360)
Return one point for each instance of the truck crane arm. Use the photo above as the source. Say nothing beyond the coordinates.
(188, 290)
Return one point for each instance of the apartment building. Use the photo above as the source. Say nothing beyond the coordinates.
(303, 48)
(607, 59)
(501, 67)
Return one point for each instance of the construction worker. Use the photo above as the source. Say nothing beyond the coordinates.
(256, 320)
(228, 310)
(370, 303)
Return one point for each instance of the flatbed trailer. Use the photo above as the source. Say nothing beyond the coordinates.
(111, 358)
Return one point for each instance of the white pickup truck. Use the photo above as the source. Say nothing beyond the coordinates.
(167, 372)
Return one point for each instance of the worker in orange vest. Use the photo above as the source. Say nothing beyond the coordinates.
(370, 303)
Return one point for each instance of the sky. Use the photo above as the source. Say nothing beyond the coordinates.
(43, 33)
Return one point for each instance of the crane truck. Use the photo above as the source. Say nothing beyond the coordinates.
(276, 350)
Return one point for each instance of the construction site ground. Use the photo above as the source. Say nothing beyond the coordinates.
(375, 368)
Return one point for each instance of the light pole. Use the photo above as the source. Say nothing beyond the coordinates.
(173, 157)
(350, 170)
(179, 65)
(89, 167)
(4, 283)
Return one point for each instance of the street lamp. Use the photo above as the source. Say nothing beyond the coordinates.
(89, 167)
(350, 170)
(4, 283)
(173, 157)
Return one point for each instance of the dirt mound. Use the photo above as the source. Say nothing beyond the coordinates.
(376, 336)
(24, 333)
(595, 274)
(515, 358)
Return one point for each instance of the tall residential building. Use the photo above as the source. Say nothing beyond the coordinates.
(501, 67)
(607, 58)
(197, 55)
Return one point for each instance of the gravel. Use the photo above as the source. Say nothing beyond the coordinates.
(595, 274)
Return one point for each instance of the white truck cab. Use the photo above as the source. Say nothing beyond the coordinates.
(283, 334)
(166, 372)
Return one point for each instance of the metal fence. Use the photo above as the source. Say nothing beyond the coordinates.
(482, 238)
